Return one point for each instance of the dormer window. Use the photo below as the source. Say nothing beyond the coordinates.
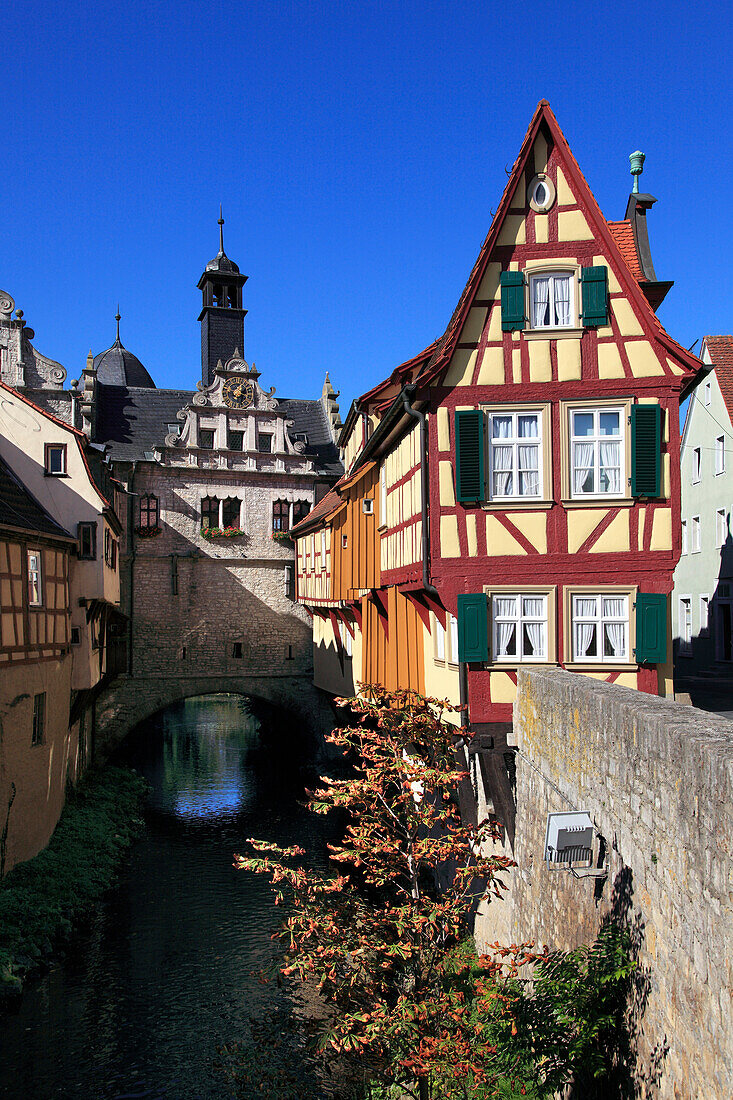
(206, 439)
(55, 459)
(551, 300)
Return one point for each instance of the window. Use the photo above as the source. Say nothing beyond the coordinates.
(55, 459)
(695, 531)
(708, 392)
(453, 636)
(230, 512)
(600, 628)
(237, 651)
(39, 718)
(551, 300)
(148, 511)
(541, 193)
(705, 615)
(35, 579)
(696, 465)
(439, 640)
(210, 512)
(720, 455)
(236, 440)
(174, 429)
(280, 515)
(290, 582)
(721, 527)
(301, 508)
(174, 574)
(685, 626)
(87, 536)
(206, 439)
(383, 494)
(684, 536)
(110, 550)
(597, 452)
(519, 627)
(76, 635)
(323, 548)
(344, 542)
(515, 463)
(264, 443)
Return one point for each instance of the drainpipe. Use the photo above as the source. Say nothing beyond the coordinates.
(407, 396)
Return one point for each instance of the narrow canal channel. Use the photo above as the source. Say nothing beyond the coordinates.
(169, 971)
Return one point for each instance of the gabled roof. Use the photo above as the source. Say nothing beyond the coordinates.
(20, 510)
(331, 503)
(543, 116)
(720, 350)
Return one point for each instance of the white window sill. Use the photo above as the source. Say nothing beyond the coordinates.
(516, 504)
(595, 665)
(598, 501)
(552, 333)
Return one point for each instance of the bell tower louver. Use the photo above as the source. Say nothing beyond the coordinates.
(222, 316)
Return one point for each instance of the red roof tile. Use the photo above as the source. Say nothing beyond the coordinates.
(720, 349)
(623, 234)
(324, 508)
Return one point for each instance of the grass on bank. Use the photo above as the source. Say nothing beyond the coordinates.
(43, 899)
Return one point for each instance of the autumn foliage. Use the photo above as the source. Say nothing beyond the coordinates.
(377, 936)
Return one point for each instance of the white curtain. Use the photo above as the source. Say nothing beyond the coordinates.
(536, 636)
(505, 607)
(502, 468)
(540, 295)
(615, 608)
(582, 467)
(583, 633)
(611, 465)
(501, 427)
(562, 299)
(529, 478)
(528, 428)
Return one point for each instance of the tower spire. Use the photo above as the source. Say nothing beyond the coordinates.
(117, 319)
(221, 232)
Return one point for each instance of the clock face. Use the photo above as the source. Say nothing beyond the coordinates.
(238, 393)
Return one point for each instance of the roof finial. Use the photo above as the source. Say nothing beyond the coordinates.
(117, 319)
(637, 167)
(221, 232)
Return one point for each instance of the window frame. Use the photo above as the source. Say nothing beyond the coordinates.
(37, 572)
(209, 432)
(86, 527)
(231, 434)
(48, 450)
(514, 502)
(584, 500)
(707, 393)
(721, 533)
(704, 601)
(280, 510)
(599, 590)
(209, 501)
(544, 267)
(234, 504)
(261, 437)
(300, 505)
(719, 455)
(439, 640)
(549, 592)
(451, 637)
(38, 727)
(685, 644)
(696, 465)
(695, 535)
(685, 544)
(148, 503)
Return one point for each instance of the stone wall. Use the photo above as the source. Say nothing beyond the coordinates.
(657, 780)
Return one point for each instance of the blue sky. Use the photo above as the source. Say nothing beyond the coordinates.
(359, 151)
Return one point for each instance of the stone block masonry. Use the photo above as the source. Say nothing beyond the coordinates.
(657, 780)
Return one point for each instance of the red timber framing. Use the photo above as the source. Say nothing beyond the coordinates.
(33, 631)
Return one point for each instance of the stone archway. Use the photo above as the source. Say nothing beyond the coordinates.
(129, 700)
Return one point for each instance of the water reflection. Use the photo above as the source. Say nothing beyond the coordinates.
(169, 970)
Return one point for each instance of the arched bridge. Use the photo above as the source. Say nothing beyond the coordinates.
(131, 699)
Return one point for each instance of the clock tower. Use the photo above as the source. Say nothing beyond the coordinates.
(222, 316)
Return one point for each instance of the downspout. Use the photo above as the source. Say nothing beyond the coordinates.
(407, 395)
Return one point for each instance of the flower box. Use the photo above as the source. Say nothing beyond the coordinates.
(211, 533)
(148, 532)
(282, 536)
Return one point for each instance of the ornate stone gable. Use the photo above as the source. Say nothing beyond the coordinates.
(235, 424)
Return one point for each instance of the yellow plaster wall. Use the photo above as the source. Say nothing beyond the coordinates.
(471, 535)
(675, 367)
(565, 196)
(474, 325)
(460, 371)
(661, 529)
(533, 526)
(516, 365)
(513, 231)
(568, 360)
(447, 495)
(443, 430)
(449, 544)
(642, 360)
(503, 690)
(640, 532)
(615, 537)
(489, 286)
(540, 154)
(499, 541)
(540, 367)
(572, 226)
(613, 283)
(581, 522)
(491, 371)
(626, 319)
(494, 332)
(541, 228)
(627, 680)
(609, 361)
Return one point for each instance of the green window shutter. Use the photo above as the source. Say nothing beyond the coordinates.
(646, 450)
(512, 300)
(651, 628)
(594, 288)
(470, 455)
(473, 628)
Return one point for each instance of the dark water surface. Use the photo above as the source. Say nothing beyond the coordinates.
(168, 971)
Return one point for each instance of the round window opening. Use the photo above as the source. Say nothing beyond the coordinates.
(541, 194)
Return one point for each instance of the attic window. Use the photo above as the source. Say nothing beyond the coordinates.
(551, 297)
(55, 459)
(541, 193)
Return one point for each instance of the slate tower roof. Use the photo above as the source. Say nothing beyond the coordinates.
(119, 367)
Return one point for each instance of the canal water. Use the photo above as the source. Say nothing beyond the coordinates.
(171, 970)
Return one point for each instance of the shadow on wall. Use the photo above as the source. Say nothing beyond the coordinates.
(695, 653)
